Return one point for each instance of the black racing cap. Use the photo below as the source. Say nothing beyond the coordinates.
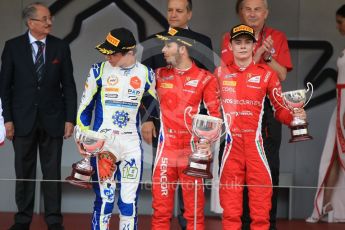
(182, 36)
(242, 29)
(117, 40)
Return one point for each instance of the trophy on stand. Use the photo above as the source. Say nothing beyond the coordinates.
(293, 100)
(92, 143)
(207, 129)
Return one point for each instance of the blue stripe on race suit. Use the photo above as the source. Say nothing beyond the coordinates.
(99, 106)
(122, 104)
(102, 210)
(98, 113)
(86, 114)
(137, 125)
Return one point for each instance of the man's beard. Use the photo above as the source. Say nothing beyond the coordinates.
(174, 59)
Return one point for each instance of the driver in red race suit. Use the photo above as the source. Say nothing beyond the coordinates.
(179, 85)
(244, 86)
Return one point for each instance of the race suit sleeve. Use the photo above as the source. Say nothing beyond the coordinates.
(211, 96)
(88, 98)
(2, 128)
(280, 113)
(149, 101)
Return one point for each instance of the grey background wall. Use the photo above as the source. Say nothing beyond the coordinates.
(300, 20)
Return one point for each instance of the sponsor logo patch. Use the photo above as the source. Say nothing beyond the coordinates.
(230, 83)
(133, 94)
(164, 176)
(168, 77)
(254, 79)
(172, 31)
(111, 95)
(167, 85)
(228, 89)
(230, 75)
(193, 83)
(110, 89)
(120, 118)
(268, 74)
(135, 82)
(112, 80)
(241, 102)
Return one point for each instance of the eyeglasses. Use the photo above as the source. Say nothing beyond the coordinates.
(43, 20)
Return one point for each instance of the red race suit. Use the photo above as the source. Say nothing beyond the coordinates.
(243, 93)
(177, 90)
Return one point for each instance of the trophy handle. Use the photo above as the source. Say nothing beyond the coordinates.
(274, 96)
(309, 87)
(187, 111)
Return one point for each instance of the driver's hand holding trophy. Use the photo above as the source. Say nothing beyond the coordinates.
(295, 101)
(207, 129)
(92, 144)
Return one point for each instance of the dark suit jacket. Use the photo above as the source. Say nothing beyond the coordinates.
(53, 101)
(202, 53)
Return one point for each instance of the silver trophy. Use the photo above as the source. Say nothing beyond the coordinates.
(293, 100)
(92, 144)
(207, 129)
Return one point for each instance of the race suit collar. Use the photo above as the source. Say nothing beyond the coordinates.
(129, 67)
(192, 69)
(241, 69)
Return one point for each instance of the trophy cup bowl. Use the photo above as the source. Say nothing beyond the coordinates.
(92, 143)
(208, 129)
(293, 100)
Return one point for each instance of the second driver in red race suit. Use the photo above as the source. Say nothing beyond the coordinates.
(244, 86)
(179, 85)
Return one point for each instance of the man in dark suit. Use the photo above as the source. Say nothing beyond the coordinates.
(179, 13)
(39, 107)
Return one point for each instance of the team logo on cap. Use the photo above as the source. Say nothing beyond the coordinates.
(172, 31)
(242, 28)
(113, 40)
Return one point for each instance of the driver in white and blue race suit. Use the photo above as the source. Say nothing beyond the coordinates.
(113, 93)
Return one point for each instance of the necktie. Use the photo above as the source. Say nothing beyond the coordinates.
(39, 62)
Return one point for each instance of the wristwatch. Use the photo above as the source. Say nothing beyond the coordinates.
(268, 59)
